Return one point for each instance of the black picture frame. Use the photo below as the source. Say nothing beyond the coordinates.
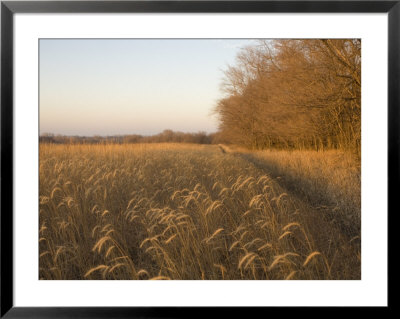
(9, 8)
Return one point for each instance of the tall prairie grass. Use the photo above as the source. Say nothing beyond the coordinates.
(328, 180)
(174, 211)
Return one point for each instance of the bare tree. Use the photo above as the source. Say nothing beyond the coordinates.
(294, 93)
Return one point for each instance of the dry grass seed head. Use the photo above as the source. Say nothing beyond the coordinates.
(294, 224)
(170, 239)
(214, 235)
(160, 278)
(143, 272)
(291, 275)
(267, 245)
(281, 259)
(234, 245)
(248, 258)
(100, 267)
(100, 243)
(111, 269)
(109, 250)
(286, 233)
(310, 257)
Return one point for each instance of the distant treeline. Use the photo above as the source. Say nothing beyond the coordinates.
(294, 94)
(167, 136)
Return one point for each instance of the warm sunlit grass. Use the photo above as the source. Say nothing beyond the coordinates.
(328, 180)
(176, 211)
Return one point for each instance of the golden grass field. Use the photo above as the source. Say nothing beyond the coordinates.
(180, 211)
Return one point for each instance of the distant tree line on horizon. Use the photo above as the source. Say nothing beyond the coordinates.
(167, 136)
(294, 94)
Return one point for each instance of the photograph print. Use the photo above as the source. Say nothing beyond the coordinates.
(199, 159)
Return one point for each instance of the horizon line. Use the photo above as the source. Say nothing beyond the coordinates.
(128, 134)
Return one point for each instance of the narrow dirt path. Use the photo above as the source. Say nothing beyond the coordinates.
(323, 208)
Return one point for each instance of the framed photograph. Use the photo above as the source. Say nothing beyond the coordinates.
(162, 155)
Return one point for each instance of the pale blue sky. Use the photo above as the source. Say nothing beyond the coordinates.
(129, 86)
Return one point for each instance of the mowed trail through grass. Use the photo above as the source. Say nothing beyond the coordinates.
(175, 211)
